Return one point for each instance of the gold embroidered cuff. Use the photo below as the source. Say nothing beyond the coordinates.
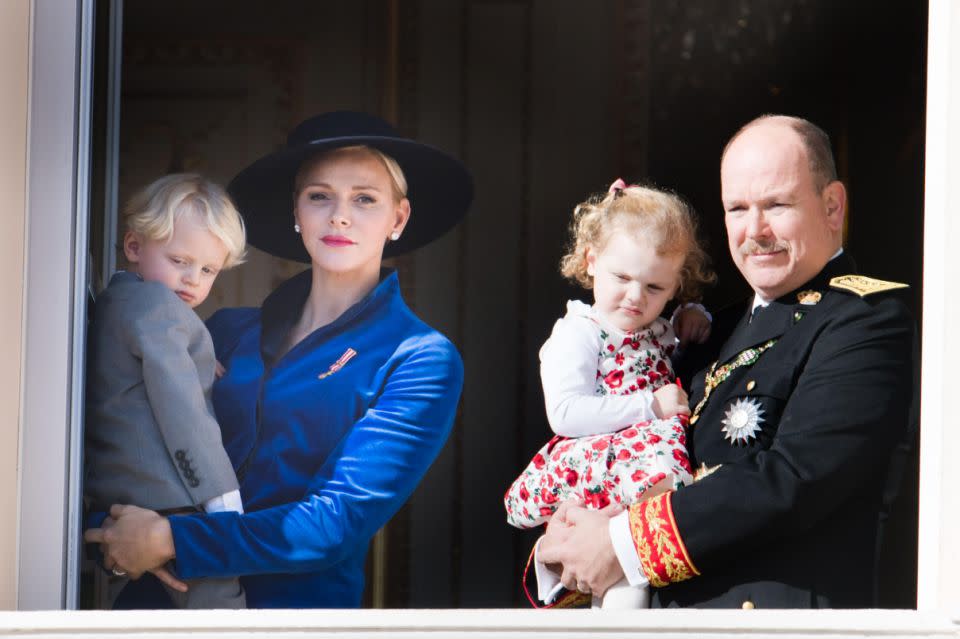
(662, 554)
(572, 599)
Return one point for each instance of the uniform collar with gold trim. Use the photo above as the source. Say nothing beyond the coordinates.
(781, 314)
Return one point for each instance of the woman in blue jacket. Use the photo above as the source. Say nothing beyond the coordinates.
(336, 397)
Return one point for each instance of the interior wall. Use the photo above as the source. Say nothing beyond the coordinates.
(209, 87)
(14, 69)
(858, 72)
(497, 82)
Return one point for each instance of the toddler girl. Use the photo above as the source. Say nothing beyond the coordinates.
(607, 380)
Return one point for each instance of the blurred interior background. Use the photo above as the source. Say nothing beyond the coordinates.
(546, 101)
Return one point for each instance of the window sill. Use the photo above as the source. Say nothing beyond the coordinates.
(659, 624)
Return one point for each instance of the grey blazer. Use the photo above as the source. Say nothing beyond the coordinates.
(151, 438)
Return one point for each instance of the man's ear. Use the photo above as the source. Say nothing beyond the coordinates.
(835, 202)
(132, 244)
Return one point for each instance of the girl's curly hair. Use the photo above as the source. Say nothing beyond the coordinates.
(662, 218)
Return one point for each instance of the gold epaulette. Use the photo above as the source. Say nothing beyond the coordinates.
(863, 286)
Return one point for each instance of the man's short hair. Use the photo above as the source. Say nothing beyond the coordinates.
(815, 140)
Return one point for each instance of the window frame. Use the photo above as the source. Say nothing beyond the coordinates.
(55, 276)
(56, 268)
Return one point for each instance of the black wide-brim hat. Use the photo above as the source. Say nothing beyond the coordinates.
(439, 187)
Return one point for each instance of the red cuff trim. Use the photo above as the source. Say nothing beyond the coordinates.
(663, 555)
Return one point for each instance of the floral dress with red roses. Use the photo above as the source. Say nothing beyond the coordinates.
(617, 465)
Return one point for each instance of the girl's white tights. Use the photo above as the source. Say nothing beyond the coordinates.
(623, 596)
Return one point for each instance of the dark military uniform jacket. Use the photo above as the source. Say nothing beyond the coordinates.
(794, 443)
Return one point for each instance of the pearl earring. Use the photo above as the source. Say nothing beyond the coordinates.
(395, 236)
(296, 228)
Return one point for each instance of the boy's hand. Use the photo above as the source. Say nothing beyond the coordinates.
(669, 401)
(691, 325)
(219, 370)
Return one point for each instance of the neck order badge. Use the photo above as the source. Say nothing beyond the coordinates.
(717, 376)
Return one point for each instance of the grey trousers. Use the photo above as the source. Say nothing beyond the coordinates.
(202, 594)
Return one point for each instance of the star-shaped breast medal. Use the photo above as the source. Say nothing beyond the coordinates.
(741, 422)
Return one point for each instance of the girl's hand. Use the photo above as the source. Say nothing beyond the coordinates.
(219, 370)
(691, 325)
(559, 518)
(669, 401)
(136, 540)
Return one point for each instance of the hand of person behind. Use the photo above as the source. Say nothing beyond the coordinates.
(691, 326)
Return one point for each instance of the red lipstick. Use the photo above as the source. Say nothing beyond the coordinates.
(336, 240)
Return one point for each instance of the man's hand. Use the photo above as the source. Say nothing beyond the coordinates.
(670, 400)
(691, 325)
(579, 539)
(135, 540)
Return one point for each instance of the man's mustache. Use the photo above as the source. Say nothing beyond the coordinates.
(753, 247)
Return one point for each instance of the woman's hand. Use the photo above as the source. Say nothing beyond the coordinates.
(134, 541)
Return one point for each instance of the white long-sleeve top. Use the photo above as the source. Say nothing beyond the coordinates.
(570, 361)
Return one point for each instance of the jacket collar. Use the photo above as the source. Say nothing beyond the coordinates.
(125, 276)
(779, 315)
(282, 308)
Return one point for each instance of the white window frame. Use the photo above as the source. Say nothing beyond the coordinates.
(57, 184)
(55, 275)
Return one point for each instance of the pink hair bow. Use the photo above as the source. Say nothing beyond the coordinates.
(618, 186)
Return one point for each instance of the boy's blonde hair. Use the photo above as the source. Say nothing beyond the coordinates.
(662, 218)
(152, 211)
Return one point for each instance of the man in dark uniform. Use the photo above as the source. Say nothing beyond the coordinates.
(795, 419)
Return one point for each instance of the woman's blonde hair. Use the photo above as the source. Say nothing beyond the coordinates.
(152, 211)
(397, 178)
(661, 218)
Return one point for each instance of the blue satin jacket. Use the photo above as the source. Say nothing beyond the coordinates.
(328, 441)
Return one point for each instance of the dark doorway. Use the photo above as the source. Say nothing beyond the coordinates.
(546, 101)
